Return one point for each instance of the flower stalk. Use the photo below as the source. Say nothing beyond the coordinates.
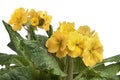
(69, 68)
(28, 31)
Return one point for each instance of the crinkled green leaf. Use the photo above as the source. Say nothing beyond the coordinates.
(97, 78)
(14, 37)
(82, 78)
(6, 59)
(41, 58)
(113, 78)
(112, 59)
(99, 67)
(20, 73)
(102, 73)
(87, 73)
(110, 70)
(20, 61)
(78, 65)
(94, 78)
(4, 70)
(41, 40)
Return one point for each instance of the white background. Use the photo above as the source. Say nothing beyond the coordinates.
(101, 15)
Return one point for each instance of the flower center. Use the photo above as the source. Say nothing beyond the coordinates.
(41, 22)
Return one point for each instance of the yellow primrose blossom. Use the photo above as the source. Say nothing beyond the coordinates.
(84, 30)
(94, 52)
(45, 20)
(33, 13)
(66, 27)
(18, 18)
(40, 13)
(75, 44)
(34, 19)
(57, 44)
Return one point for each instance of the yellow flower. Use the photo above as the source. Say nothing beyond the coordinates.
(18, 18)
(84, 30)
(45, 21)
(57, 44)
(40, 19)
(93, 53)
(40, 13)
(75, 44)
(34, 21)
(66, 27)
(32, 13)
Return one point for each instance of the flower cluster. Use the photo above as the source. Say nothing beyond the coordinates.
(22, 17)
(65, 40)
(64, 54)
(82, 43)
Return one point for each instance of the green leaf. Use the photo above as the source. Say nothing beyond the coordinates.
(41, 40)
(99, 67)
(4, 70)
(114, 78)
(20, 61)
(110, 70)
(87, 74)
(97, 78)
(112, 59)
(94, 78)
(82, 78)
(6, 59)
(78, 65)
(14, 37)
(21, 73)
(41, 58)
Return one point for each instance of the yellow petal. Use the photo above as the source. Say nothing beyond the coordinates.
(85, 30)
(77, 52)
(98, 56)
(61, 54)
(71, 46)
(62, 40)
(17, 27)
(66, 27)
(90, 63)
(74, 40)
(89, 60)
(18, 18)
(52, 45)
(34, 21)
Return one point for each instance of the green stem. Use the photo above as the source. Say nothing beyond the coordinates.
(28, 35)
(69, 68)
